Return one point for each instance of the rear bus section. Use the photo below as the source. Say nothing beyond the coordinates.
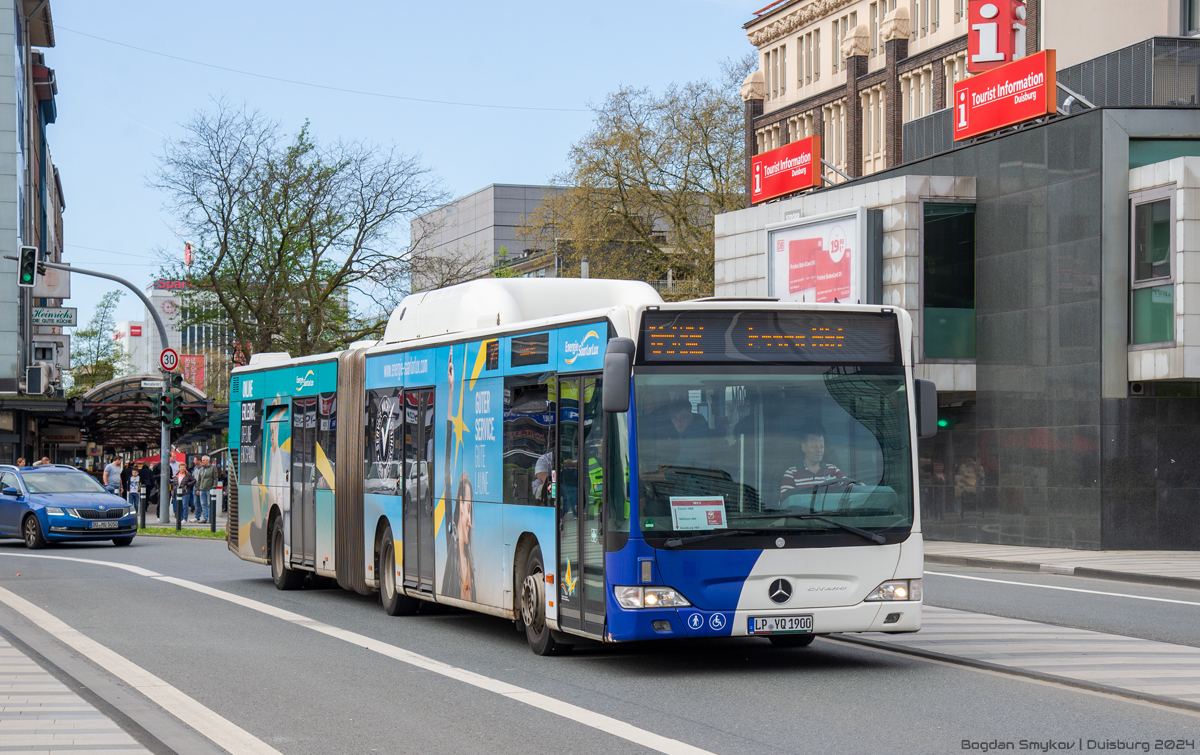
(772, 475)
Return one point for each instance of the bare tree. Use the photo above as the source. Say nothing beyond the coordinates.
(644, 184)
(283, 231)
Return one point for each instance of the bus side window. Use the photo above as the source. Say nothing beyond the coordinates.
(529, 424)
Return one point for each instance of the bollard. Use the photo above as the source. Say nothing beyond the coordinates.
(176, 503)
(145, 501)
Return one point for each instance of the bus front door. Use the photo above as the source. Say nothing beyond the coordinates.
(418, 489)
(579, 503)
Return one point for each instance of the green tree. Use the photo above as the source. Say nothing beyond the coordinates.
(97, 357)
(285, 230)
(643, 185)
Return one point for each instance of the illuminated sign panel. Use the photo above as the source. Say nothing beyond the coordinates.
(792, 167)
(1010, 94)
(996, 35)
(819, 258)
(530, 350)
(745, 337)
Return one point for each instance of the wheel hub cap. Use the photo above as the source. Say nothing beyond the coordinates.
(532, 600)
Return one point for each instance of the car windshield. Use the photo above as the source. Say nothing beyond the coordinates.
(727, 450)
(61, 482)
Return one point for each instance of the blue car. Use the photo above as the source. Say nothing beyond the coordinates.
(56, 503)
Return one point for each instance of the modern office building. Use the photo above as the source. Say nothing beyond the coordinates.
(466, 238)
(31, 319)
(1051, 269)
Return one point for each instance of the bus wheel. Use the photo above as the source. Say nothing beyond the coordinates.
(285, 578)
(533, 612)
(395, 603)
(792, 640)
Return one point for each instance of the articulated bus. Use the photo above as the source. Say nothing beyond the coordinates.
(591, 462)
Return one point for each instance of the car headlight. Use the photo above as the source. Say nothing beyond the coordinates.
(55, 510)
(897, 589)
(649, 597)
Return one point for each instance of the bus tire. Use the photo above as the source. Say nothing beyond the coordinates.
(285, 577)
(792, 640)
(395, 603)
(533, 612)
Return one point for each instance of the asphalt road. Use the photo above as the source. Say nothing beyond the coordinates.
(1024, 595)
(303, 691)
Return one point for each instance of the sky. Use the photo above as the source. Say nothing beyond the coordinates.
(117, 105)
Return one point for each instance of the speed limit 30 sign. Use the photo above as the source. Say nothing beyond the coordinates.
(168, 359)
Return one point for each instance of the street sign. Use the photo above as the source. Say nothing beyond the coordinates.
(156, 385)
(1013, 93)
(168, 359)
(792, 167)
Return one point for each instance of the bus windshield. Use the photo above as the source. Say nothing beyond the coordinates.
(779, 450)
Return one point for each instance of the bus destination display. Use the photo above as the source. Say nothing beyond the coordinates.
(778, 337)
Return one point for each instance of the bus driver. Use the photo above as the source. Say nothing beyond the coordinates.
(814, 470)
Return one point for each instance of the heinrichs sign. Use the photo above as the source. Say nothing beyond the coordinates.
(792, 167)
(1020, 91)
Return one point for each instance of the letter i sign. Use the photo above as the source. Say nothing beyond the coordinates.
(962, 109)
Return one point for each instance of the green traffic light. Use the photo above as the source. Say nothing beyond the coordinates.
(943, 423)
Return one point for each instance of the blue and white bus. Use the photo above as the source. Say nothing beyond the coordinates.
(591, 462)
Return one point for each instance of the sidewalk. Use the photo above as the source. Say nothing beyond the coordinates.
(152, 519)
(1166, 568)
(40, 714)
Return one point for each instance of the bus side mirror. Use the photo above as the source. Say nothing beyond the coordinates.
(926, 391)
(618, 369)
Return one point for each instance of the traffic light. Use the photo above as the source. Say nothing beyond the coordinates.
(156, 406)
(28, 271)
(174, 415)
(174, 381)
(164, 407)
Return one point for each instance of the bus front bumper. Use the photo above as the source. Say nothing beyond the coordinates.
(873, 616)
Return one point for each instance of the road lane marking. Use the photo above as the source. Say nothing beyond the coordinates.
(575, 713)
(594, 720)
(210, 724)
(1065, 589)
(127, 567)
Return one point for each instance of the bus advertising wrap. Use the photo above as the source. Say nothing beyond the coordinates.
(792, 167)
(1020, 91)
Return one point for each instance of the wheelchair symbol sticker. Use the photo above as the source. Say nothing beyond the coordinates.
(717, 621)
(695, 621)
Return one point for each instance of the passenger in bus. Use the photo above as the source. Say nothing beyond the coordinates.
(543, 490)
(814, 471)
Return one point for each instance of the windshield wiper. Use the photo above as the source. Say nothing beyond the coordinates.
(675, 542)
(872, 536)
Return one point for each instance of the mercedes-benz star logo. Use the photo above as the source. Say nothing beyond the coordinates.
(780, 591)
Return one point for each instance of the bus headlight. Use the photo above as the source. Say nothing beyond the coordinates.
(897, 589)
(649, 597)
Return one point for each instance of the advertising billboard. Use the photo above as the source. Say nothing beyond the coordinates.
(792, 167)
(819, 259)
(1017, 92)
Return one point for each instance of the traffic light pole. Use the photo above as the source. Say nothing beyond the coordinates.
(164, 486)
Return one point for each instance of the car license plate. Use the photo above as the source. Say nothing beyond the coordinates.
(104, 525)
(781, 625)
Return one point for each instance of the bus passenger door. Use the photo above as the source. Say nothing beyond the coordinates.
(418, 489)
(579, 506)
(303, 503)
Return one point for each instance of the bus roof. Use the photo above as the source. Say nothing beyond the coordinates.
(494, 302)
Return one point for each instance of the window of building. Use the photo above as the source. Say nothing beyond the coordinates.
(873, 14)
(816, 56)
(782, 69)
(837, 45)
(1193, 15)
(948, 281)
(935, 10)
(1152, 245)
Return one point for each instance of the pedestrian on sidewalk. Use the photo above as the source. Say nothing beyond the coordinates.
(134, 487)
(112, 476)
(20, 461)
(206, 479)
(186, 483)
